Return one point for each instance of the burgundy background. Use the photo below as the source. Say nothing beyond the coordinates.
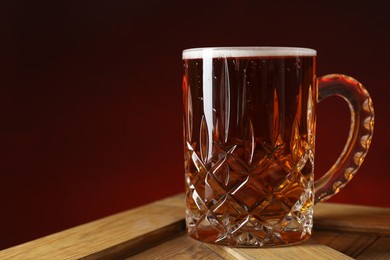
(90, 98)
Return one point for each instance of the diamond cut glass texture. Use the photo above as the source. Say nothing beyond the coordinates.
(248, 133)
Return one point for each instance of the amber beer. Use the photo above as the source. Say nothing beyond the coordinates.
(249, 127)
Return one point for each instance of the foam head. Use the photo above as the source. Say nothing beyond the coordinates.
(226, 52)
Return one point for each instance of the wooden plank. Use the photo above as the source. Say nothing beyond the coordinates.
(378, 250)
(184, 247)
(180, 248)
(117, 235)
(341, 217)
(351, 244)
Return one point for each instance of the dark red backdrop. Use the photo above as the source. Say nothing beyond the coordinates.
(90, 98)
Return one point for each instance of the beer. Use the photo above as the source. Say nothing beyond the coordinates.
(249, 126)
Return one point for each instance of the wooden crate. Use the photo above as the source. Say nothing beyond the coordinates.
(157, 231)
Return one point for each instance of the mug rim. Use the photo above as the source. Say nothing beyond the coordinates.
(246, 51)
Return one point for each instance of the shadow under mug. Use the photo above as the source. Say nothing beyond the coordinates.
(249, 139)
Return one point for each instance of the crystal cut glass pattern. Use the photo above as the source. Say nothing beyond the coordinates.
(249, 152)
(231, 206)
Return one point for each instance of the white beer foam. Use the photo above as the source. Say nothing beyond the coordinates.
(226, 52)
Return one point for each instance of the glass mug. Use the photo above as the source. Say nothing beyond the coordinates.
(249, 138)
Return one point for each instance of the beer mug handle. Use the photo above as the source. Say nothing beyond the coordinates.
(360, 133)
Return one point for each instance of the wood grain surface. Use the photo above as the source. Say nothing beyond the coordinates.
(156, 231)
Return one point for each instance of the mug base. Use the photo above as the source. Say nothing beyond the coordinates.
(251, 242)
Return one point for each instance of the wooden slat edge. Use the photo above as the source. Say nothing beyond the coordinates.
(108, 237)
(342, 217)
(140, 244)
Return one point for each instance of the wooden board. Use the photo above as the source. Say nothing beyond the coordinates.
(156, 231)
